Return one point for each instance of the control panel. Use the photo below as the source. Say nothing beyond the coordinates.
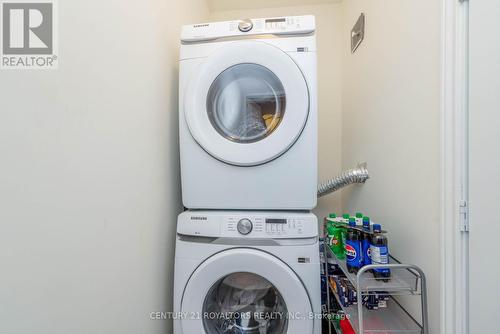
(264, 227)
(292, 25)
(272, 225)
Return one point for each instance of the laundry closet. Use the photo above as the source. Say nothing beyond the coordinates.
(379, 104)
(91, 186)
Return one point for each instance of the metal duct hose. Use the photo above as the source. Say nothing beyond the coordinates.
(350, 176)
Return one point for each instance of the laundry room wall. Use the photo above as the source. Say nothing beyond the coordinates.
(391, 119)
(328, 15)
(89, 178)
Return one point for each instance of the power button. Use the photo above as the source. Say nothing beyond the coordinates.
(245, 25)
(244, 226)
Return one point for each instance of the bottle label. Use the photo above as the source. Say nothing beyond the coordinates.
(379, 254)
(330, 238)
(366, 252)
(353, 253)
(334, 241)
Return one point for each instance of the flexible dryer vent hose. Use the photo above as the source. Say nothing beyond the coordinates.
(351, 176)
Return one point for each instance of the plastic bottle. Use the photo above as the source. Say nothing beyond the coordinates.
(366, 242)
(359, 218)
(345, 221)
(353, 250)
(332, 216)
(379, 251)
(345, 327)
(335, 235)
(337, 317)
(343, 233)
(329, 231)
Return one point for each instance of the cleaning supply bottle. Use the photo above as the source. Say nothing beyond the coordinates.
(353, 250)
(379, 252)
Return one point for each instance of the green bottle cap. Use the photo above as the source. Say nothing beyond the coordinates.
(359, 215)
(366, 219)
(332, 215)
(346, 216)
(352, 219)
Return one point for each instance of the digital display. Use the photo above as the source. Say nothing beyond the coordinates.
(275, 20)
(275, 221)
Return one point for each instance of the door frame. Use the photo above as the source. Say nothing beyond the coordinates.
(454, 168)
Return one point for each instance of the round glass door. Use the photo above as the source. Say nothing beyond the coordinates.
(246, 103)
(244, 303)
(245, 291)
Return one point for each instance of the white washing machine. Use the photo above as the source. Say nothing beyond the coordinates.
(248, 118)
(247, 273)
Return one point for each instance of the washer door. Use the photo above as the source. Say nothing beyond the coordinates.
(245, 291)
(247, 104)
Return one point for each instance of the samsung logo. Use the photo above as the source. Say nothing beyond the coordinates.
(201, 25)
(198, 218)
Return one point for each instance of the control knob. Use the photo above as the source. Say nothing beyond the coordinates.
(244, 226)
(245, 25)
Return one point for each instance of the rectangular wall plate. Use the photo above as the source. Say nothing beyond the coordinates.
(358, 33)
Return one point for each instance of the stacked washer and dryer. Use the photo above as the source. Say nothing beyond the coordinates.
(247, 254)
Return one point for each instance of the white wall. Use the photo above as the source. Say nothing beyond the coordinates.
(232, 5)
(484, 180)
(89, 173)
(391, 119)
(329, 25)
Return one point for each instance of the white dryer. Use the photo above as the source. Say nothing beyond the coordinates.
(248, 119)
(247, 273)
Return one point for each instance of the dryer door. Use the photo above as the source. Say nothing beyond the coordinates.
(247, 104)
(245, 291)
